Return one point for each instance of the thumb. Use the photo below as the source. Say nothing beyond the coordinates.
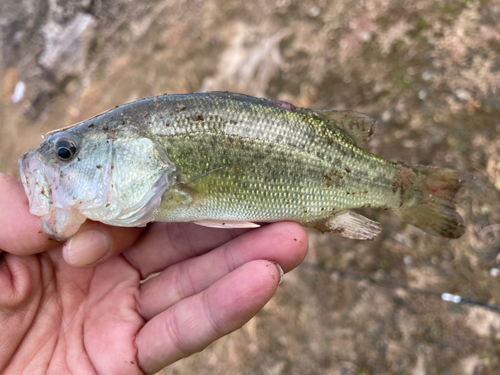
(20, 232)
(95, 243)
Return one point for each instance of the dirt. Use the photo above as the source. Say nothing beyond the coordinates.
(428, 70)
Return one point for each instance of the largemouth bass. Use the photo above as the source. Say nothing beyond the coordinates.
(229, 160)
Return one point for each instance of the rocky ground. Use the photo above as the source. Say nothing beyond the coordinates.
(429, 70)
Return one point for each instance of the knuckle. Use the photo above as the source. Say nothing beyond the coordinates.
(172, 330)
(210, 316)
(20, 286)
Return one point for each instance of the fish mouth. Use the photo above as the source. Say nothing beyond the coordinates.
(58, 221)
(35, 184)
(25, 171)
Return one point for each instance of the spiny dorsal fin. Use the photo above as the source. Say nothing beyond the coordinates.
(358, 126)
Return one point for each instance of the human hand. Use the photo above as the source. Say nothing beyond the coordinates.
(55, 318)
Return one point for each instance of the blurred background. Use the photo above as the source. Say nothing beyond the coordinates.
(428, 70)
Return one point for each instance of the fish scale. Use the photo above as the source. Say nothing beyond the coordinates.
(299, 166)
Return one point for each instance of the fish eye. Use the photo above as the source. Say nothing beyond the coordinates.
(65, 149)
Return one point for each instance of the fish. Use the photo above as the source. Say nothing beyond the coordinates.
(228, 160)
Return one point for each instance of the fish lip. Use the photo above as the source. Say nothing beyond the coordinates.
(36, 186)
(38, 182)
(26, 173)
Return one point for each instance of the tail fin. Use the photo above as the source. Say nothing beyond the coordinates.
(428, 199)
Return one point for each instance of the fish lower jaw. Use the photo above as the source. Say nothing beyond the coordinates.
(60, 224)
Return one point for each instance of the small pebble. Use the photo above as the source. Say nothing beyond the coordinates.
(365, 36)
(462, 94)
(18, 92)
(314, 12)
(335, 276)
(451, 298)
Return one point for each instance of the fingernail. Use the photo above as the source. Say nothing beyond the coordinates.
(86, 248)
(280, 271)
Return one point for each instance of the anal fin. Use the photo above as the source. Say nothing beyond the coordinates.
(228, 224)
(349, 225)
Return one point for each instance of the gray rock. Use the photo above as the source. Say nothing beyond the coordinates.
(66, 47)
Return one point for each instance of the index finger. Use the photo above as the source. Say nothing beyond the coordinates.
(20, 232)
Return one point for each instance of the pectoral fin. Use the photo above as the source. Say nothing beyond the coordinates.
(349, 225)
(228, 224)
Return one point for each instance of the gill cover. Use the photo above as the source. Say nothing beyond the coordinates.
(137, 174)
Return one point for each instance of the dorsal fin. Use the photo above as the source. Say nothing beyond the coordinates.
(358, 126)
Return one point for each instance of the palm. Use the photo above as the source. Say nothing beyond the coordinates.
(90, 313)
(101, 305)
(103, 320)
